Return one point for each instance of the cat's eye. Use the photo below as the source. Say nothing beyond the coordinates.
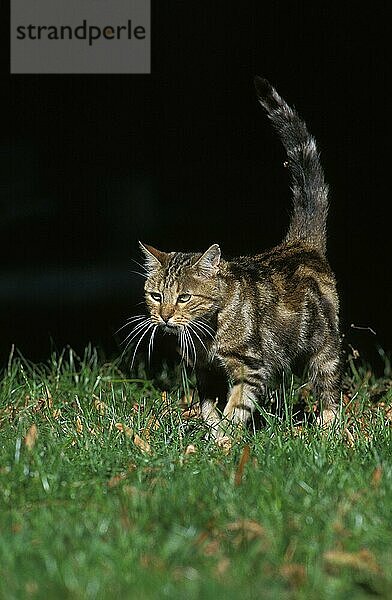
(184, 298)
(155, 296)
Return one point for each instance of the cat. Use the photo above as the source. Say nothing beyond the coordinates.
(250, 318)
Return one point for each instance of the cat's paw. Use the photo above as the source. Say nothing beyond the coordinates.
(327, 418)
(225, 443)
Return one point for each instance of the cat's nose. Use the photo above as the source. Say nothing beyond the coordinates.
(167, 313)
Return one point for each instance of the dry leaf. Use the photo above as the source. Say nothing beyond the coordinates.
(241, 465)
(187, 400)
(294, 573)
(49, 398)
(141, 444)
(149, 561)
(191, 449)
(193, 412)
(362, 560)
(152, 424)
(222, 566)
(377, 476)
(39, 405)
(124, 429)
(56, 414)
(212, 547)
(31, 588)
(79, 425)
(388, 414)
(249, 527)
(298, 431)
(349, 437)
(31, 437)
(100, 406)
(116, 479)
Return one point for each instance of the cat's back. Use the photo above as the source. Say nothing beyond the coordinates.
(289, 272)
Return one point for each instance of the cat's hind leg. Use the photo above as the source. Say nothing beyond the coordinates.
(326, 375)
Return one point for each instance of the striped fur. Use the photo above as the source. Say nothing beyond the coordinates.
(246, 320)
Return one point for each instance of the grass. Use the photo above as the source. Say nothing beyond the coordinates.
(108, 489)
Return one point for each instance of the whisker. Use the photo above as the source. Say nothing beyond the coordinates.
(202, 321)
(140, 265)
(139, 342)
(129, 322)
(188, 333)
(135, 332)
(134, 317)
(151, 343)
(137, 326)
(185, 340)
(181, 342)
(209, 332)
(198, 337)
(144, 275)
(201, 329)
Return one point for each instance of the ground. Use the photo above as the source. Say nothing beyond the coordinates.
(110, 489)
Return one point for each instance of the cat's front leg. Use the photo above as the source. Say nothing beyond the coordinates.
(212, 390)
(210, 416)
(247, 388)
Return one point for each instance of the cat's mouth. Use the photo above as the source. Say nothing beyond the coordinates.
(168, 328)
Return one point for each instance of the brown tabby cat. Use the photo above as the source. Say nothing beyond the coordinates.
(252, 317)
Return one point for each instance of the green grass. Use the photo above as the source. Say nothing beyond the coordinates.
(87, 510)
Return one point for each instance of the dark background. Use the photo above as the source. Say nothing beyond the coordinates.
(185, 157)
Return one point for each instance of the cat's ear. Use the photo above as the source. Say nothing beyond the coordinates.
(208, 264)
(154, 258)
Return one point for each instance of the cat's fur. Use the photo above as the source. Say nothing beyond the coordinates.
(252, 317)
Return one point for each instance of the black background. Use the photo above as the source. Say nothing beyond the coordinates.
(185, 157)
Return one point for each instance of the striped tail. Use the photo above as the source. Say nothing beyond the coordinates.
(310, 191)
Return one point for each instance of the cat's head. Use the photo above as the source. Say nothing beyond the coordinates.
(181, 288)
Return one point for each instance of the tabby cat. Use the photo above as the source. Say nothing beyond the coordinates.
(252, 317)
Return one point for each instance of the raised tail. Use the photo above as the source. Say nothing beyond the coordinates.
(310, 192)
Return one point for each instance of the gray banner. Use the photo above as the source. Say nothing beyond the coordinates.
(80, 36)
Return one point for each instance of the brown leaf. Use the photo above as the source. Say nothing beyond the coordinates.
(149, 561)
(294, 573)
(31, 588)
(388, 414)
(141, 444)
(376, 477)
(116, 479)
(100, 406)
(349, 437)
(222, 566)
(193, 412)
(211, 548)
(241, 465)
(124, 429)
(152, 424)
(79, 425)
(191, 449)
(187, 400)
(31, 437)
(56, 414)
(49, 399)
(362, 560)
(250, 528)
(39, 405)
